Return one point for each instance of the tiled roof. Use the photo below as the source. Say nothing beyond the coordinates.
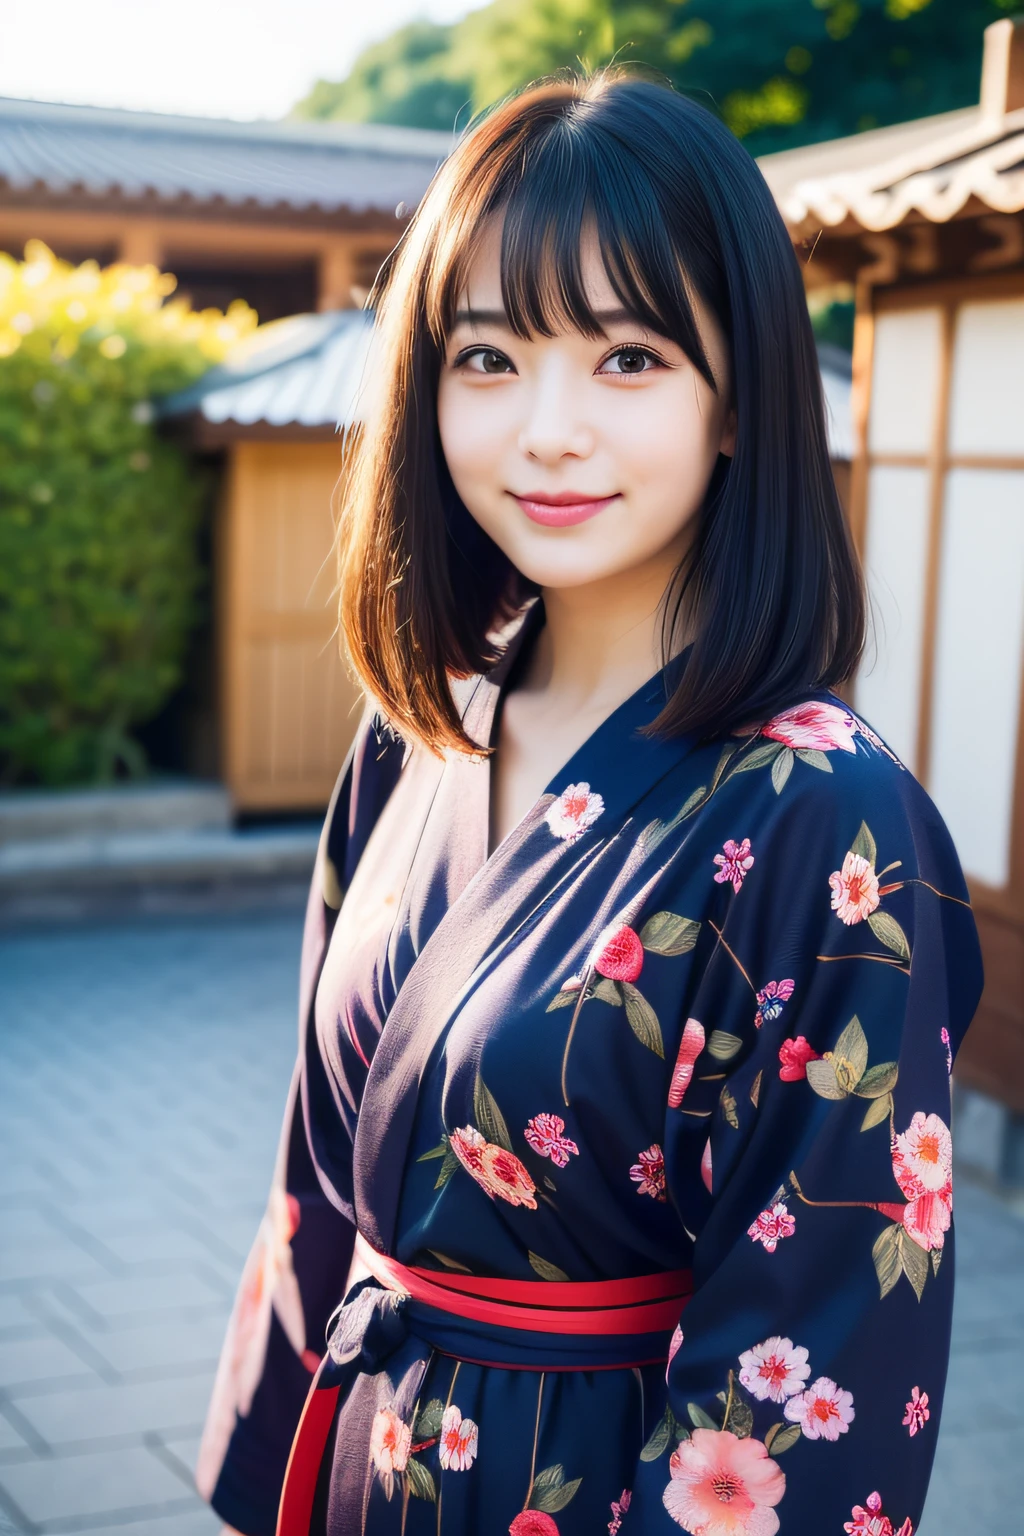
(305, 371)
(932, 167)
(91, 151)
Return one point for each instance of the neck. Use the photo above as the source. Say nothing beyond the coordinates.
(603, 640)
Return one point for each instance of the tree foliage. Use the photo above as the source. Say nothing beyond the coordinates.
(98, 566)
(782, 73)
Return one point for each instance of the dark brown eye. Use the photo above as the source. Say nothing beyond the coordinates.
(631, 360)
(484, 360)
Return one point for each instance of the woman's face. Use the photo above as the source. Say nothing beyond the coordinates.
(581, 458)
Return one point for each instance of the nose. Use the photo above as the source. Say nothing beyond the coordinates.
(554, 427)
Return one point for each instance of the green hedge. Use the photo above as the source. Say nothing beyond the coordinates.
(99, 573)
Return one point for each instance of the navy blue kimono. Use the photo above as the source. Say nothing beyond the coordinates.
(698, 1011)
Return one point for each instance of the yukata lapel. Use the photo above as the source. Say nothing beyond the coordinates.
(527, 869)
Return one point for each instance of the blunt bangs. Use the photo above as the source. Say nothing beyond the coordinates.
(771, 590)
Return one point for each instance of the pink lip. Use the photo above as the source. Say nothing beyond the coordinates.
(563, 510)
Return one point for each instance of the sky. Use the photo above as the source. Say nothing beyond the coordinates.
(215, 58)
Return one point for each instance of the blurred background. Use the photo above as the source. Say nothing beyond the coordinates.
(194, 200)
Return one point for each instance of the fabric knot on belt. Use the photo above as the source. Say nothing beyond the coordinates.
(368, 1327)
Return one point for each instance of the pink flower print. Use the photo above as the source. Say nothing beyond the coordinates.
(390, 1441)
(772, 1226)
(675, 1345)
(723, 1486)
(619, 1508)
(576, 809)
(533, 1522)
(618, 953)
(944, 1037)
(816, 727)
(705, 1165)
(690, 1047)
(794, 1055)
(775, 1369)
(869, 1521)
(918, 1413)
(771, 1000)
(649, 1172)
(495, 1169)
(458, 1443)
(854, 889)
(922, 1162)
(734, 861)
(824, 1411)
(922, 1156)
(906, 1529)
(544, 1135)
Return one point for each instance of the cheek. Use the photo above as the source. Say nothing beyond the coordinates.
(474, 432)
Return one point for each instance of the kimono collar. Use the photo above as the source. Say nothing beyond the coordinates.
(617, 761)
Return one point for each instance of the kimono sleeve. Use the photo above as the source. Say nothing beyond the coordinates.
(807, 1148)
(296, 1271)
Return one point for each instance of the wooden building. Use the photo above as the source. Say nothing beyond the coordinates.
(291, 217)
(285, 706)
(927, 220)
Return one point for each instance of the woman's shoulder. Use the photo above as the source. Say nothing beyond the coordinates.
(818, 769)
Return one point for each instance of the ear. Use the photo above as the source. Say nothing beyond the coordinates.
(727, 445)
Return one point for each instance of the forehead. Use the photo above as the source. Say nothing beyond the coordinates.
(481, 286)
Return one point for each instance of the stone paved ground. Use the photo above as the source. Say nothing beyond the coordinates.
(142, 1073)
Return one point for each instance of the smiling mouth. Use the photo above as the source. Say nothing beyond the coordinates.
(564, 510)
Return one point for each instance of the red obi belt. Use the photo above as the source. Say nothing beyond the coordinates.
(536, 1325)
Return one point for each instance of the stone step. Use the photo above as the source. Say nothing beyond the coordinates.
(43, 815)
(140, 858)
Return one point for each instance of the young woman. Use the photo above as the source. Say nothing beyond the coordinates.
(635, 962)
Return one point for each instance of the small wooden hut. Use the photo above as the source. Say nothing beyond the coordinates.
(286, 708)
(925, 219)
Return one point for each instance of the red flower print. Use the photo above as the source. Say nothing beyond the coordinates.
(723, 1486)
(495, 1169)
(870, 1521)
(775, 1369)
(544, 1135)
(705, 1165)
(854, 889)
(649, 1172)
(533, 1522)
(818, 727)
(922, 1162)
(772, 1226)
(734, 861)
(918, 1413)
(944, 1037)
(458, 1442)
(794, 1055)
(690, 1047)
(390, 1441)
(576, 809)
(619, 1508)
(619, 954)
(824, 1411)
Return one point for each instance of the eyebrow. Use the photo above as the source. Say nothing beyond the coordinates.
(499, 318)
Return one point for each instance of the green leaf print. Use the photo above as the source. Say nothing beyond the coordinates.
(864, 844)
(490, 1121)
(428, 1422)
(781, 1437)
(886, 1254)
(878, 1110)
(888, 932)
(723, 1046)
(665, 933)
(642, 1019)
(781, 770)
(814, 759)
(545, 1269)
(551, 1492)
(421, 1483)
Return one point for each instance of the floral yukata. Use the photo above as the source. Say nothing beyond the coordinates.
(696, 1013)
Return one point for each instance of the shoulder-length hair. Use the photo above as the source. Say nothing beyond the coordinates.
(771, 589)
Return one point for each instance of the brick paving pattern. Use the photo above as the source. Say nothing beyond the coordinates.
(143, 1069)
